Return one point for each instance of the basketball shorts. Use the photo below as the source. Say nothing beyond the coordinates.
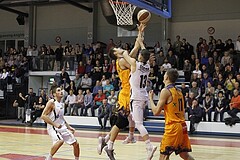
(137, 109)
(61, 134)
(175, 139)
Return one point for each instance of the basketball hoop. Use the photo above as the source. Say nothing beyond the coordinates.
(123, 12)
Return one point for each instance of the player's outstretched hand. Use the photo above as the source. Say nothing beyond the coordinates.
(141, 27)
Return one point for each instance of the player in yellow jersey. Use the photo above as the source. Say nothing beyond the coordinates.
(123, 69)
(171, 100)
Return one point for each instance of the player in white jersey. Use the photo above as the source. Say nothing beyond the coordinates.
(57, 127)
(140, 70)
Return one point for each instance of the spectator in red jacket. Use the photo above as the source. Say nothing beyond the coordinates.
(97, 101)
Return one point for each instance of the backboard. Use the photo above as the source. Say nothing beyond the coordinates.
(159, 7)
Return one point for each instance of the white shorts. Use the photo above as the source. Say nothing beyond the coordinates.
(61, 134)
(137, 108)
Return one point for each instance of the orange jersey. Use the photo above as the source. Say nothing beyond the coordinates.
(175, 138)
(124, 94)
(174, 111)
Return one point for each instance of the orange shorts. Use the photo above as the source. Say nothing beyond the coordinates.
(175, 139)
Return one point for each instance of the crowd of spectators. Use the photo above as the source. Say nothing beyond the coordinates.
(211, 72)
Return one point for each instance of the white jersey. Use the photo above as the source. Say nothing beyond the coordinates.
(57, 114)
(138, 81)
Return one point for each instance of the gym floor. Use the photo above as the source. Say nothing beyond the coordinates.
(33, 143)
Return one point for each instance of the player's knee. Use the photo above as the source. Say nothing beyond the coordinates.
(138, 125)
(75, 144)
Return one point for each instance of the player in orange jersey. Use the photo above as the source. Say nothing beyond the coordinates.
(171, 100)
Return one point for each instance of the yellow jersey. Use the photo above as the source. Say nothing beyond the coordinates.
(124, 94)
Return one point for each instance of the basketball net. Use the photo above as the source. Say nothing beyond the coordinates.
(123, 12)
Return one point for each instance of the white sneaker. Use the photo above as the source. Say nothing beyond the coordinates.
(101, 145)
(128, 140)
(150, 152)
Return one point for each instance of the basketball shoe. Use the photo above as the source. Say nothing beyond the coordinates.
(101, 145)
(151, 151)
(128, 140)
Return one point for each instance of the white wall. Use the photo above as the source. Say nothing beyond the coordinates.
(67, 21)
(224, 29)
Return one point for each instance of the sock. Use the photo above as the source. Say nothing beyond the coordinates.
(107, 137)
(49, 157)
(110, 145)
(130, 135)
(76, 158)
(148, 143)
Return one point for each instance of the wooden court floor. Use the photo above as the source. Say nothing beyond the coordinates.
(25, 143)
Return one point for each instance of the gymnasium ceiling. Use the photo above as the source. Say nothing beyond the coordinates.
(13, 3)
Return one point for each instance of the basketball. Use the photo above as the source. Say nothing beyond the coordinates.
(143, 16)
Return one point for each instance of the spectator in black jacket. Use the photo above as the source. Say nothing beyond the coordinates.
(104, 111)
(195, 115)
(220, 106)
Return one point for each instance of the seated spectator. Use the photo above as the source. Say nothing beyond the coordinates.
(229, 83)
(152, 76)
(72, 87)
(197, 71)
(104, 111)
(86, 82)
(79, 103)
(219, 89)
(196, 90)
(97, 101)
(115, 82)
(38, 109)
(96, 88)
(234, 104)
(112, 99)
(189, 101)
(207, 107)
(209, 90)
(166, 65)
(88, 101)
(185, 90)
(70, 102)
(220, 104)
(20, 103)
(107, 88)
(103, 80)
(195, 115)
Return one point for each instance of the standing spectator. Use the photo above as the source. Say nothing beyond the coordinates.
(97, 101)
(177, 46)
(77, 81)
(59, 56)
(64, 78)
(160, 58)
(172, 59)
(81, 69)
(195, 115)
(20, 103)
(220, 104)
(237, 48)
(104, 111)
(88, 101)
(110, 45)
(187, 70)
(207, 107)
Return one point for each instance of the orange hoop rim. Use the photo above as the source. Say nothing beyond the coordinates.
(121, 2)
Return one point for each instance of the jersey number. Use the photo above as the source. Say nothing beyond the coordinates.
(180, 106)
(143, 81)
